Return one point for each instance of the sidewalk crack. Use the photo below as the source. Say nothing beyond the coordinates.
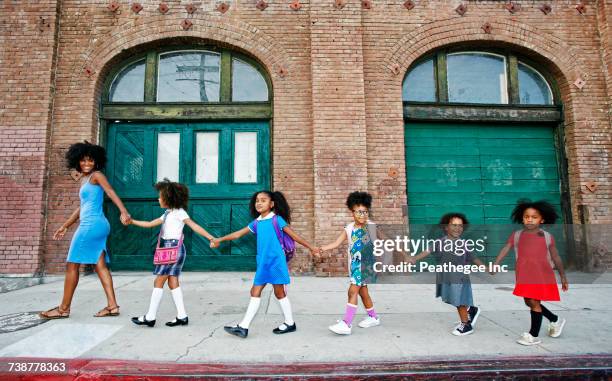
(127, 284)
(189, 348)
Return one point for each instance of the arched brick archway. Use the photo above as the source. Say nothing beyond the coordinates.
(233, 33)
(563, 61)
(219, 211)
(559, 59)
(86, 77)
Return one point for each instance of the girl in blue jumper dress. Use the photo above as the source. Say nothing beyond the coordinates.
(270, 210)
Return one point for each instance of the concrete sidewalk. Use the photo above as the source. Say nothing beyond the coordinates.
(415, 325)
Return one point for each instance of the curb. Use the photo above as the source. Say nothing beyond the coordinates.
(584, 367)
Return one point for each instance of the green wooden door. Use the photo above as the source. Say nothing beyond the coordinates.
(480, 170)
(223, 164)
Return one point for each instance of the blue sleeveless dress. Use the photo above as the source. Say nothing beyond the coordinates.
(89, 241)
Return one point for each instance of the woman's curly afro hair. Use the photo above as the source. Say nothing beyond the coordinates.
(175, 195)
(359, 198)
(546, 210)
(78, 151)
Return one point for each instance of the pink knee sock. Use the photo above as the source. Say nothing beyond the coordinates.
(371, 312)
(349, 314)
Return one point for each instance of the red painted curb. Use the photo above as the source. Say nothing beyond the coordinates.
(582, 367)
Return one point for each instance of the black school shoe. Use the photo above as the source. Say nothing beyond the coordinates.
(284, 328)
(237, 330)
(149, 323)
(178, 321)
(473, 314)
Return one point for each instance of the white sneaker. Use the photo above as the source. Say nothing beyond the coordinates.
(369, 322)
(527, 339)
(340, 328)
(555, 329)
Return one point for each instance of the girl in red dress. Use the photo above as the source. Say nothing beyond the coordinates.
(536, 254)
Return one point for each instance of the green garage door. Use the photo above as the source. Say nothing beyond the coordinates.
(223, 164)
(480, 170)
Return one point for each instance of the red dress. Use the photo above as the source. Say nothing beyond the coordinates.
(535, 277)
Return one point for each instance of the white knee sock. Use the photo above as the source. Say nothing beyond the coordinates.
(177, 295)
(286, 307)
(156, 297)
(251, 311)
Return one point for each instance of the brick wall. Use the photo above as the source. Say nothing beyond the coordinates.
(28, 41)
(336, 73)
(94, 38)
(604, 18)
(340, 161)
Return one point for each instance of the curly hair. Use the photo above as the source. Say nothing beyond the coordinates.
(175, 195)
(281, 206)
(78, 151)
(359, 198)
(446, 219)
(546, 210)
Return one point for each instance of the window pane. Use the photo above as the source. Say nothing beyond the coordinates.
(477, 78)
(129, 158)
(533, 89)
(207, 157)
(168, 149)
(419, 84)
(128, 85)
(245, 157)
(247, 83)
(188, 77)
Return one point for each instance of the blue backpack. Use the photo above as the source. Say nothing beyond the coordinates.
(287, 243)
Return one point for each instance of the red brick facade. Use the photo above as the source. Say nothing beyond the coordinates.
(29, 41)
(336, 71)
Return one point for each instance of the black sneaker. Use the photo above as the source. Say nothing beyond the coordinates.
(473, 313)
(284, 328)
(463, 329)
(178, 321)
(237, 330)
(142, 320)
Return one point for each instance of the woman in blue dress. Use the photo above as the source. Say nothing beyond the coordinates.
(88, 245)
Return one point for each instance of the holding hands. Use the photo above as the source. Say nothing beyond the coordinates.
(125, 218)
(216, 242)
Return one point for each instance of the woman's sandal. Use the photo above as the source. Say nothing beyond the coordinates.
(108, 311)
(55, 313)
